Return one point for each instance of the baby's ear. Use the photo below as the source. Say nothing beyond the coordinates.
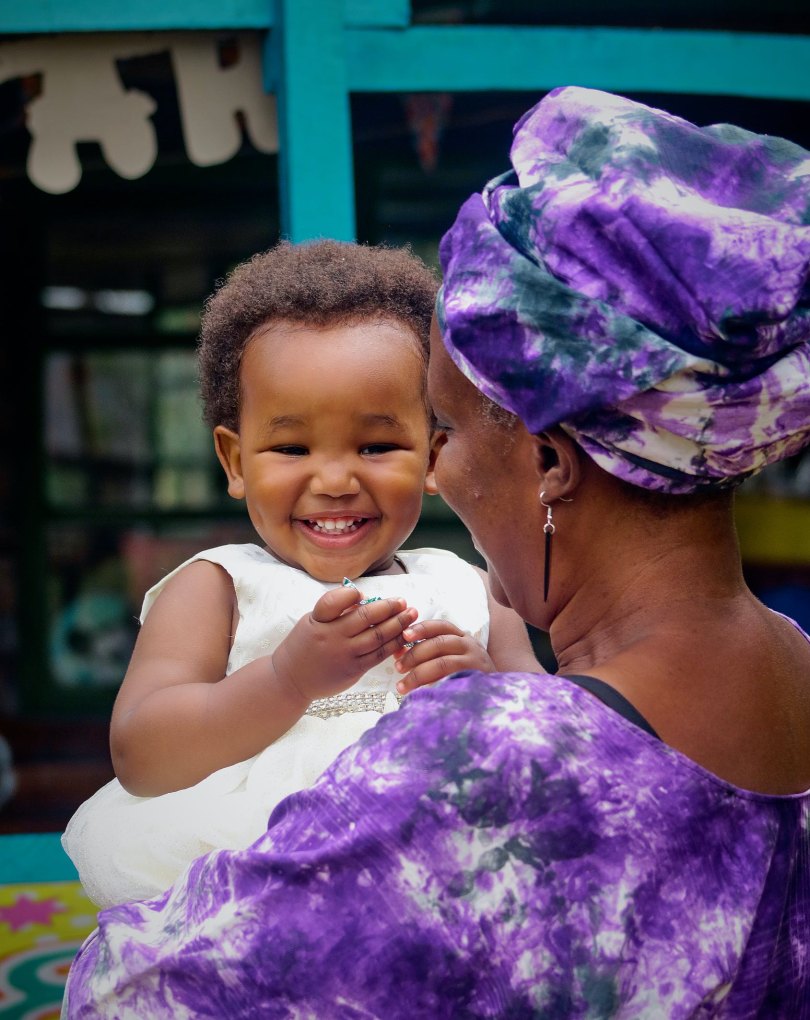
(226, 443)
(436, 443)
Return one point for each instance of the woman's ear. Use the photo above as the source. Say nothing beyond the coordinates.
(437, 441)
(558, 463)
(226, 443)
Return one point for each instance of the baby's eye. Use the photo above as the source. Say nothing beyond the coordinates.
(377, 448)
(291, 451)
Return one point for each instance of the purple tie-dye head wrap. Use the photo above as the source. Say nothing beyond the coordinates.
(643, 283)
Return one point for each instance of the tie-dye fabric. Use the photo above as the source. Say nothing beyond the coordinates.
(503, 846)
(642, 282)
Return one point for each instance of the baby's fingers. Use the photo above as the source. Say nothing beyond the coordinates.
(363, 617)
(439, 649)
(434, 658)
(334, 604)
(429, 661)
(377, 641)
(431, 629)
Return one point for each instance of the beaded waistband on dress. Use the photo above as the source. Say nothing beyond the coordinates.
(351, 701)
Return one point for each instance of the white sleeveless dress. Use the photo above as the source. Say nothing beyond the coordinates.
(130, 848)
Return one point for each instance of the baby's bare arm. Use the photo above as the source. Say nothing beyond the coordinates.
(509, 644)
(174, 722)
(177, 718)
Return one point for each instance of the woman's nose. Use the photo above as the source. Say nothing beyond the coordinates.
(335, 477)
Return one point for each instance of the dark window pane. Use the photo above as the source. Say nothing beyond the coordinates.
(124, 428)
(97, 578)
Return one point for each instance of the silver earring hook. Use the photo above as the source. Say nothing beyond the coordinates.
(548, 527)
(563, 499)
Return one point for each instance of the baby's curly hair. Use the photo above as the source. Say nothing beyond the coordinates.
(318, 284)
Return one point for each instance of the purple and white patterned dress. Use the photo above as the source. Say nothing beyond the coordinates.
(503, 846)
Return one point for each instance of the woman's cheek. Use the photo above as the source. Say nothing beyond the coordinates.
(443, 473)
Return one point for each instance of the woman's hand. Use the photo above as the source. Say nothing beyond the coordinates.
(439, 649)
(330, 649)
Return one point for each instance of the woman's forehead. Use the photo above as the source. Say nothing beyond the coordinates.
(447, 386)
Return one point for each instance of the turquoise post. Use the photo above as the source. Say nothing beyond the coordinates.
(316, 170)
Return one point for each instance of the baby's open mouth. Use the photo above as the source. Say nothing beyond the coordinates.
(336, 525)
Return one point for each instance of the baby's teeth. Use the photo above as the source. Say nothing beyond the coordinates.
(334, 525)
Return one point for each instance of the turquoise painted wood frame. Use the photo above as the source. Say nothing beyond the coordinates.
(320, 51)
(34, 857)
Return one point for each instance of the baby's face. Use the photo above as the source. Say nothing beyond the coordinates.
(333, 444)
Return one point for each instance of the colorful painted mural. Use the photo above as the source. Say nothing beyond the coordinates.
(42, 925)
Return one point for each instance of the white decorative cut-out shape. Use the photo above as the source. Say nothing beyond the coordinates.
(210, 96)
(83, 99)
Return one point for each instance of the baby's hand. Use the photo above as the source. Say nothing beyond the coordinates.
(440, 648)
(331, 648)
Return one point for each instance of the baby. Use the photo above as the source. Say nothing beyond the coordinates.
(256, 664)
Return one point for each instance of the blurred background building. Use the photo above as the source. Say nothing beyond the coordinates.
(142, 155)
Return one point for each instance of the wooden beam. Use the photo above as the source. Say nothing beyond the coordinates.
(478, 58)
(17, 16)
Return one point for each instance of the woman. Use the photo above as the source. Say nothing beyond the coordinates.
(633, 299)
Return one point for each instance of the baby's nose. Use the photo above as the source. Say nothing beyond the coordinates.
(335, 477)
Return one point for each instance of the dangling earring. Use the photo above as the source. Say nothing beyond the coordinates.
(548, 530)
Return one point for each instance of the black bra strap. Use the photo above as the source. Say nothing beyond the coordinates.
(611, 697)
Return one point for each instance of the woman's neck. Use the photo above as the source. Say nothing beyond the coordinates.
(676, 630)
(673, 576)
